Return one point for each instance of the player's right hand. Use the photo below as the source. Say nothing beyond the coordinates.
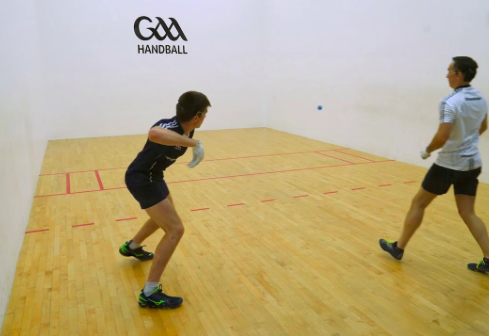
(424, 154)
(198, 152)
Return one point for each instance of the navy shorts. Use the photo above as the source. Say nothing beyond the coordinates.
(145, 192)
(439, 179)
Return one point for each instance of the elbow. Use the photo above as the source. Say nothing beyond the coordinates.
(153, 135)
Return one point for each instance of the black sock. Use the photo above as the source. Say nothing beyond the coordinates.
(486, 261)
(400, 249)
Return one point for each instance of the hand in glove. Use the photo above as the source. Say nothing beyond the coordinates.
(425, 154)
(198, 152)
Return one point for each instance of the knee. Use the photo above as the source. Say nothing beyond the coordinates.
(466, 214)
(179, 231)
(176, 230)
(419, 203)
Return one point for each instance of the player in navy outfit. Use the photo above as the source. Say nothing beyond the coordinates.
(168, 139)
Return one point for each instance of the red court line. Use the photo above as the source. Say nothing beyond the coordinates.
(355, 156)
(230, 205)
(125, 219)
(358, 188)
(264, 155)
(330, 192)
(409, 182)
(200, 209)
(240, 175)
(224, 159)
(101, 186)
(384, 185)
(301, 196)
(84, 171)
(37, 231)
(55, 195)
(83, 225)
(270, 200)
(112, 188)
(334, 157)
(251, 174)
(74, 172)
(276, 171)
(82, 192)
(68, 187)
(52, 174)
(79, 192)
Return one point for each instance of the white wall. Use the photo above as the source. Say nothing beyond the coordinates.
(100, 86)
(71, 69)
(22, 133)
(378, 68)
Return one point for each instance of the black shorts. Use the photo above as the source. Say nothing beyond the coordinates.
(145, 192)
(439, 179)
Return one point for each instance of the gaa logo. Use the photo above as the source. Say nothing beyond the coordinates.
(154, 31)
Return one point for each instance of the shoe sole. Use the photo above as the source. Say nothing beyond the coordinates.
(131, 255)
(157, 307)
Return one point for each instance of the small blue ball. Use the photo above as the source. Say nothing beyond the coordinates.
(320, 107)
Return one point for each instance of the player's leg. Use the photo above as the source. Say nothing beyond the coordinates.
(412, 222)
(415, 216)
(465, 195)
(148, 228)
(166, 217)
(477, 227)
(133, 246)
(435, 183)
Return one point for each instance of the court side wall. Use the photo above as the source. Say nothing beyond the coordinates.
(23, 133)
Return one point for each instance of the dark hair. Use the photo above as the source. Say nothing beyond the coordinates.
(467, 66)
(190, 104)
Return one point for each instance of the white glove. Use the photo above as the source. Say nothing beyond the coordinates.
(425, 154)
(198, 154)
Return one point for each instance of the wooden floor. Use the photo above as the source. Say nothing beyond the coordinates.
(281, 239)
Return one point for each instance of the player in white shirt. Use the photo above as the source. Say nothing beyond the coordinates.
(463, 118)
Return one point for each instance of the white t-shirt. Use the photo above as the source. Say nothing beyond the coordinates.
(466, 109)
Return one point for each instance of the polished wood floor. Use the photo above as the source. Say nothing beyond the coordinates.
(281, 239)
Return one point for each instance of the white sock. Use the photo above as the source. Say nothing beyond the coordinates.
(149, 288)
(134, 245)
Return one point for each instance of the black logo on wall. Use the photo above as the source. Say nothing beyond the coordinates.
(167, 31)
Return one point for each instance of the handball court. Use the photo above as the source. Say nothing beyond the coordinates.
(281, 239)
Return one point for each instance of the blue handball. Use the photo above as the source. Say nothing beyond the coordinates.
(320, 107)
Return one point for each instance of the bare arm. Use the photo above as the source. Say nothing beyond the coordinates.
(166, 137)
(483, 126)
(441, 137)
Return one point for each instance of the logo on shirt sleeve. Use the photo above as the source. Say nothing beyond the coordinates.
(169, 125)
